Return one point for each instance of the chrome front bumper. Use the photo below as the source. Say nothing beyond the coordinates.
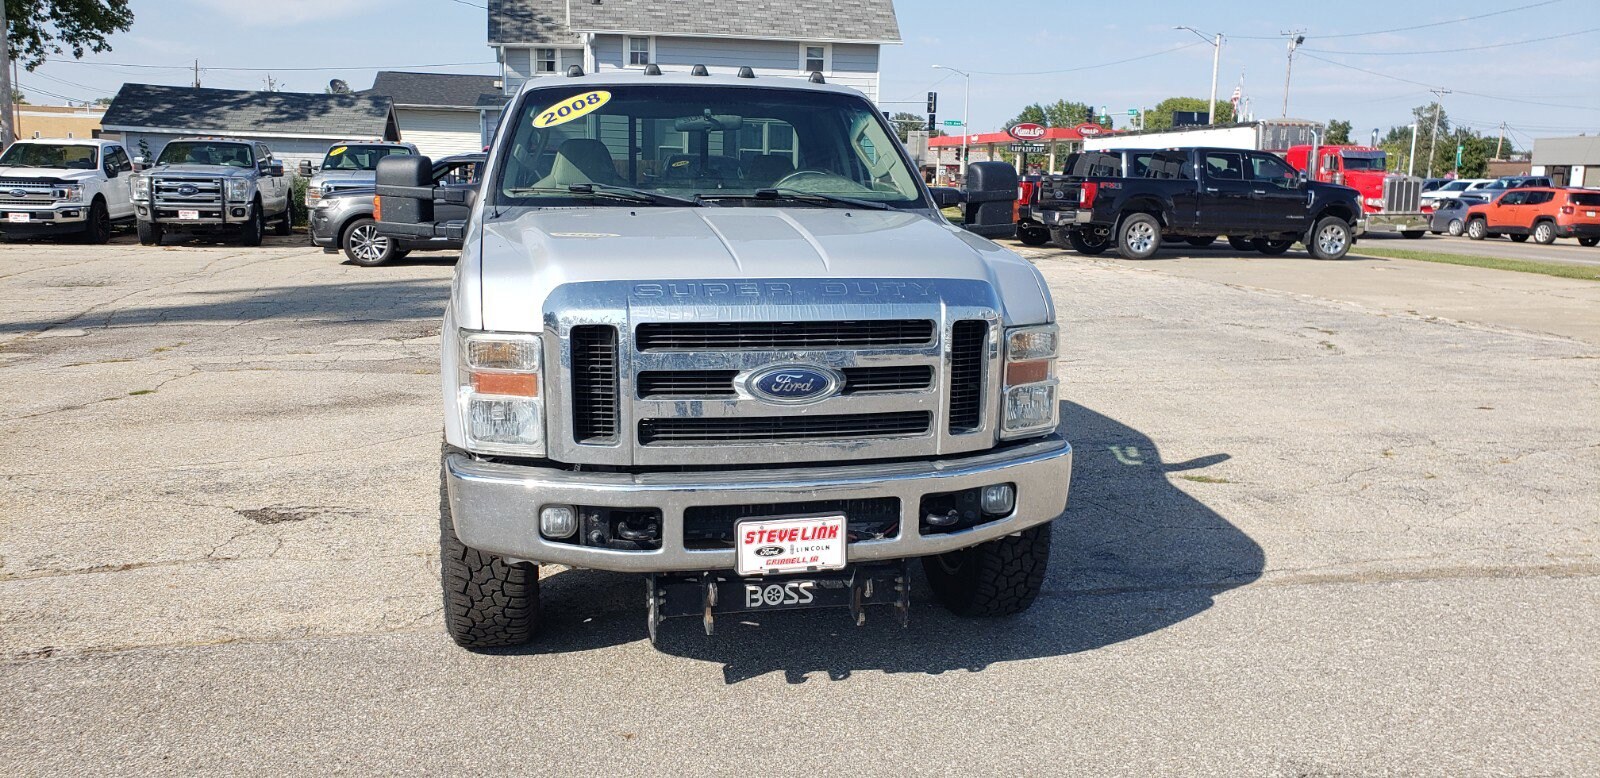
(73, 214)
(1398, 222)
(495, 507)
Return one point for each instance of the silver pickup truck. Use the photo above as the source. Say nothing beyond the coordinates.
(714, 330)
(347, 165)
(226, 186)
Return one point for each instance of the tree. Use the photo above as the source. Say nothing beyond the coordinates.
(18, 97)
(1338, 133)
(1160, 117)
(1061, 113)
(905, 122)
(40, 28)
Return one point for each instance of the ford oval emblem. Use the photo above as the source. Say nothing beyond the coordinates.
(188, 190)
(792, 384)
(19, 193)
(769, 551)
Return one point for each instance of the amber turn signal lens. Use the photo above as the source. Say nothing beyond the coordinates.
(513, 384)
(1019, 373)
(377, 208)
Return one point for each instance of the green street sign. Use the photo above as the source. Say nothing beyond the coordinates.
(952, 123)
(1133, 112)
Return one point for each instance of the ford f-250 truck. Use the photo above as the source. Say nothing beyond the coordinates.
(714, 330)
(1133, 199)
(214, 186)
(68, 186)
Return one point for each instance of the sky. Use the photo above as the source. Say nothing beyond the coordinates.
(1533, 64)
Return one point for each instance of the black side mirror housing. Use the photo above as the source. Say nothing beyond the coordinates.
(275, 169)
(947, 196)
(990, 200)
(305, 168)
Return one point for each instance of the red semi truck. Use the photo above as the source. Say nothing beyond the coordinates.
(1390, 202)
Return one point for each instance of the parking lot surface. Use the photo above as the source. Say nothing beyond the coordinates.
(1326, 518)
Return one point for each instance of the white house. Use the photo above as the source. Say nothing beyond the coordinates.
(442, 113)
(842, 40)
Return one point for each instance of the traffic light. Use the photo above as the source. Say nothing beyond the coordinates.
(933, 103)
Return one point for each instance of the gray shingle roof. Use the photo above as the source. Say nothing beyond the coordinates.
(525, 21)
(433, 89)
(237, 111)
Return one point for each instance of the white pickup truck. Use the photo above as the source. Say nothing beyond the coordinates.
(715, 331)
(64, 186)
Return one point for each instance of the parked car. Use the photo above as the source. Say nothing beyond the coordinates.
(1450, 213)
(1198, 193)
(765, 384)
(1454, 188)
(1518, 182)
(347, 165)
(343, 219)
(212, 186)
(1542, 213)
(55, 186)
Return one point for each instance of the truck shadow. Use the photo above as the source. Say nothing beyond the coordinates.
(1132, 555)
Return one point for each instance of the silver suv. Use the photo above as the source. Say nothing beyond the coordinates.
(212, 186)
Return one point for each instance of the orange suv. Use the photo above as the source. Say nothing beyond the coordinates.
(1544, 213)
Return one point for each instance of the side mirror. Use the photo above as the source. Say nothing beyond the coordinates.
(947, 196)
(275, 169)
(140, 163)
(305, 168)
(991, 200)
(404, 203)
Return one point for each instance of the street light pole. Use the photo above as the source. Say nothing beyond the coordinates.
(1216, 59)
(1433, 136)
(7, 131)
(966, 108)
(1295, 39)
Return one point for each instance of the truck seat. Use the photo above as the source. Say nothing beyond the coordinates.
(767, 169)
(581, 161)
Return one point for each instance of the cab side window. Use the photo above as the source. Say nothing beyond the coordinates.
(1224, 166)
(117, 160)
(1266, 169)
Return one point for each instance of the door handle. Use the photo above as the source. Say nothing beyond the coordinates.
(1211, 189)
(1260, 191)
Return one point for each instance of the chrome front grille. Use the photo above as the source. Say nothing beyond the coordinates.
(1402, 194)
(650, 380)
(34, 192)
(170, 191)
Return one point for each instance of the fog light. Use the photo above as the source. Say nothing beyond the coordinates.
(558, 521)
(999, 499)
(238, 212)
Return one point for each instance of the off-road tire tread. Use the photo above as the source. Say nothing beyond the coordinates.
(999, 578)
(488, 604)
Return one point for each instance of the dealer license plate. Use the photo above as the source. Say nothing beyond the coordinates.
(789, 545)
(1588, 213)
(16, 217)
(188, 215)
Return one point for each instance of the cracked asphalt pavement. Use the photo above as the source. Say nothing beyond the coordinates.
(1326, 518)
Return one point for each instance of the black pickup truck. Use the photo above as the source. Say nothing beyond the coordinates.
(1132, 199)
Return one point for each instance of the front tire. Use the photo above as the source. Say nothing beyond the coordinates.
(1412, 234)
(149, 233)
(1330, 238)
(285, 225)
(1139, 236)
(487, 603)
(1032, 234)
(1455, 228)
(1544, 233)
(998, 578)
(1477, 229)
(1086, 243)
(363, 245)
(250, 234)
(97, 230)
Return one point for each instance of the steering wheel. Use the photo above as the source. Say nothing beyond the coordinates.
(804, 176)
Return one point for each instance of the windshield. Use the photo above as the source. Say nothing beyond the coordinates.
(359, 157)
(51, 155)
(1367, 161)
(205, 152)
(576, 145)
(1455, 186)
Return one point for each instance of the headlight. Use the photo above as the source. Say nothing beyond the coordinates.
(498, 384)
(1030, 382)
(138, 187)
(324, 204)
(238, 189)
(69, 193)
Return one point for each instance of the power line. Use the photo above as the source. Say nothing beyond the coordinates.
(1461, 91)
(1408, 29)
(26, 89)
(1453, 51)
(276, 70)
(1088, 67)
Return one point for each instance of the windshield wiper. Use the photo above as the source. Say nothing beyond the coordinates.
(609, 190)
(806, 197)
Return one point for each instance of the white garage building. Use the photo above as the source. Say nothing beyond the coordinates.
(442, 113)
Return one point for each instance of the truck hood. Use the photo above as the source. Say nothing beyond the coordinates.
(222, 171)
(344, 177)
(54, 173)
(521, 259)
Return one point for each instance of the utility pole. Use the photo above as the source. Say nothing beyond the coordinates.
(1296, 37)
(1411, 162)
(1500, 142)
(1433, 136)
(197, 74)
(8, 130)
(1216, 59)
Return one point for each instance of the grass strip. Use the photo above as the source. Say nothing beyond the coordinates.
(1581, 272)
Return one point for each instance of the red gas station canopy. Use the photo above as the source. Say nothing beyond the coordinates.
(1051, 134)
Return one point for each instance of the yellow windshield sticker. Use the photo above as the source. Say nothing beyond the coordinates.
(336, 151)
(681, 163)
(571, 108)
